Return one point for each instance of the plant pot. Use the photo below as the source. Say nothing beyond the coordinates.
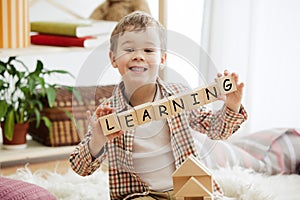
(19, 138)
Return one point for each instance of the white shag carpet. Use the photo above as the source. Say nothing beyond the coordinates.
(243, 184)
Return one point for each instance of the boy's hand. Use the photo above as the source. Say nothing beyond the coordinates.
(233, 100)
(98, 138)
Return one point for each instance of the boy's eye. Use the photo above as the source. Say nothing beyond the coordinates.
(149, 50)
(129, 50)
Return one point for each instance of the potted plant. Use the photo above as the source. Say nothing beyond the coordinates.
(22, 93)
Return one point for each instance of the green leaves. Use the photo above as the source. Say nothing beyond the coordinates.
(23, 93)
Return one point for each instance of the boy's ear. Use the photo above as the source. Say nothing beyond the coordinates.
(163, 58)
(112, 59)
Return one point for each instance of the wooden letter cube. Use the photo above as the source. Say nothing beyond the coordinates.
(195, 99)
(177, 104)
(162, 109)
(144, 113)
(211, 93)
(226, 84)
(109, 124)
(128, 119)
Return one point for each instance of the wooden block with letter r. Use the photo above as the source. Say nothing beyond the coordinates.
(162, 109)
(109, 124)
(226, 84)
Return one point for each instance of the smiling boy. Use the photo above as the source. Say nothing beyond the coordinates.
(141, 161)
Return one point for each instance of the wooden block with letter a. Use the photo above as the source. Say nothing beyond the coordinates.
(109, 124)
(128, 119)
(144, 113)
(226, 84)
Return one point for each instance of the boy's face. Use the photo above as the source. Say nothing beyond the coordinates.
(138, 56)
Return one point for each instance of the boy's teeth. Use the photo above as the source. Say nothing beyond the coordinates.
(138, 69)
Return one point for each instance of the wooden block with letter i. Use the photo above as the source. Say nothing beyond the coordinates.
(195, 99)
(226, 84)
(128, 119)
(211, 93)
(162, 109)
(144, 113)
(109, 124)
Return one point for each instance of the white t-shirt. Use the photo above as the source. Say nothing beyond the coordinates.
(153, 158)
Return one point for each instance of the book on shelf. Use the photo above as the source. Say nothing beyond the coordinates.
(67, 41)
(78, 28)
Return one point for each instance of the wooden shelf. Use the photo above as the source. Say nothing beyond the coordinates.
(39, 49)
(34, 153)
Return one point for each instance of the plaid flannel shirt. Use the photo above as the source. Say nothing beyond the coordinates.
(123, 181)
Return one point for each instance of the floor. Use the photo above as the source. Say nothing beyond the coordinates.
(59, 166)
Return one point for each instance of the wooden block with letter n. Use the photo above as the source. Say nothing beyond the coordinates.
(226, 84)
(128, 119)
(211, 93)
(109, 124)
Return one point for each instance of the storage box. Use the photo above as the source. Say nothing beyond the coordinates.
(68, 130)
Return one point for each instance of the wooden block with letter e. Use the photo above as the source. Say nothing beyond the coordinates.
(226, 84)
(109, 124)
(128, 119)
(162, 109)
(144, 113)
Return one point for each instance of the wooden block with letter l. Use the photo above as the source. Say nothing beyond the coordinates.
(162, 109)
(144, 113)
(128, 119)
(226, 84)
(109, 124)
(211, 93)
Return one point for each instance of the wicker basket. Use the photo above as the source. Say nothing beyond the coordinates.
(65, 130)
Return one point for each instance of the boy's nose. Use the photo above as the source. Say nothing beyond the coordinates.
(138, 56)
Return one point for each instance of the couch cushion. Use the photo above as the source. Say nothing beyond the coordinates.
(11, 189)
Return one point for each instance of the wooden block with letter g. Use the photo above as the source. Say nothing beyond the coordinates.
(226, 84)
(128, 119)
(109, 124)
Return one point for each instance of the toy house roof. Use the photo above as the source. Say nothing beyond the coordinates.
(191, 167)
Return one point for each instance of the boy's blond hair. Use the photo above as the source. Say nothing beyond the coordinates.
(137, 21)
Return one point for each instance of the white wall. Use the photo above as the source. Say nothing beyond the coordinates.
(260, 39)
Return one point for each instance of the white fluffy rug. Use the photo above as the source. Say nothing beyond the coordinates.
(236, 182)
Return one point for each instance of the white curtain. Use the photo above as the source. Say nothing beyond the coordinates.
(260, 40)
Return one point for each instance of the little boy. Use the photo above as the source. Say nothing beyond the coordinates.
(141, 161)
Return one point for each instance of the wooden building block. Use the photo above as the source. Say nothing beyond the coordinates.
(144, 113)
(177, 104)
(128, 119)
(109, 124)
(211, 93)
(162, 109)
(226, 84)
(195, 99)
(192, 188)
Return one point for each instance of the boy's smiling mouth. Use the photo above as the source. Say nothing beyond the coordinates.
(137, 69)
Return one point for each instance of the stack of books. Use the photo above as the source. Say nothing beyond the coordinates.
(89, 33)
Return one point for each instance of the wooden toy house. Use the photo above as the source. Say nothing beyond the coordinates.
(192, 181)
